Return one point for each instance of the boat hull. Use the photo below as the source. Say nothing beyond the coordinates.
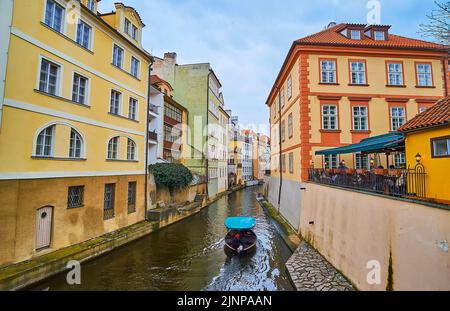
(245, 244)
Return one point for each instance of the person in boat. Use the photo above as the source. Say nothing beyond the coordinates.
(237, 242)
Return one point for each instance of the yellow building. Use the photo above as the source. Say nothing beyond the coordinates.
(428, 142)
(343, 84)
(73, 124)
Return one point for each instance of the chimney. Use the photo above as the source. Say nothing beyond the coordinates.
(170, 57)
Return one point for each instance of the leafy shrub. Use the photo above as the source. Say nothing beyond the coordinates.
(171, 175)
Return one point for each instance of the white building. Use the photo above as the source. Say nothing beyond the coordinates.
(155, 126)
(247, 156)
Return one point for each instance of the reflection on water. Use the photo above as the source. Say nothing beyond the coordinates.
(190, 256)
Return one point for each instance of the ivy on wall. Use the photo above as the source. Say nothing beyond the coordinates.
(172, 176)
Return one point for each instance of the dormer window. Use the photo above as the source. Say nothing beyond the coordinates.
(379, 35)
(130, 29)
(355, 34)
(91, 5)
(127, 26)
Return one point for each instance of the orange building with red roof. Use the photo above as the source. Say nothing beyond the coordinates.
(338, 86)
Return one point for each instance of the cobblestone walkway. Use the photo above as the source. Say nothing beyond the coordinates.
(311, 272)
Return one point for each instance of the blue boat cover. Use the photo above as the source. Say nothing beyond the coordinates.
(240, 223)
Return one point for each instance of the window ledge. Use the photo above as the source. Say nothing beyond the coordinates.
(122, 117)
(124, 71)
(360, 131)
(324, 83)
(425, 87)
(330, 131)
(67, 38)
(119, 160)
(391, 85)
(75, 207)
(353, 84)
(62, 98)
(57, 158)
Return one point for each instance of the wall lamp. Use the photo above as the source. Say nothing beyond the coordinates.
(418, 157)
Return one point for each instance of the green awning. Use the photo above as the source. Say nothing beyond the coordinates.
(383, 143)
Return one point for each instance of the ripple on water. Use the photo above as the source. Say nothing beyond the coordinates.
(190, 256)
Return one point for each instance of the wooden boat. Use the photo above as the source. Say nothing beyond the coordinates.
(240, 238)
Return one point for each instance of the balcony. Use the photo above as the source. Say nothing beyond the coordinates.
(408, 183)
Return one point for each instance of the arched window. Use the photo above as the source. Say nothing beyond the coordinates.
(131, 150)
(45, 142)
(113, 148)
(76, 145)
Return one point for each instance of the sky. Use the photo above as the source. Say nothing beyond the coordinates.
(246, 41)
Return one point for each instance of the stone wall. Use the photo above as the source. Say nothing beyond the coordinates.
(355, 230)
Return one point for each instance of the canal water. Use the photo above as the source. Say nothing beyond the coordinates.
(189, 255)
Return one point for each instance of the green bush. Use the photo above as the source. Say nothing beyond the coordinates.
(171, 175)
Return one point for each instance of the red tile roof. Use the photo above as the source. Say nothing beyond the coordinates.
(438, 115)
(333, 37)
(155, 79)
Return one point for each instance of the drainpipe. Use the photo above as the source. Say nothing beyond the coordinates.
(146, 137)
(207, 135)
(280, 153)
(445, 76)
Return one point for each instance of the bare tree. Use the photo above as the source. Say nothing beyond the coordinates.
(438, 26)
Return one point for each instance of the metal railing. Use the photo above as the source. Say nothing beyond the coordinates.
(395, 182)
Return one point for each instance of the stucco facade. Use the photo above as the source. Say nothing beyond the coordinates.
(329, 80)
(59, 119)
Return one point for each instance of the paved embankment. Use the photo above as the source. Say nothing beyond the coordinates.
(309, 271)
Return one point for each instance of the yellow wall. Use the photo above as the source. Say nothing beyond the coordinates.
(28, 183)
(31, 41)
(437, 169)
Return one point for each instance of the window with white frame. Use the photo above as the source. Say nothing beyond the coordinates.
(355, 34)
(84, 32)
(282, 97)
(379, 35)
(422, 109)
(132, 109)
(127, 26)
(328, 71)
(131, 150)
(49, 77)
(395, 73)
(441, 147)
(114, 106)
(329, 117)
(134, 32)
(361, 161)
(398, 117)
(289, 87)
(360, 116)
(424, 75)
(290, 126)
(44, 142)
(79, 89)
(113, 148)
(54, 16)
(291, 163)
(91, 5)
(330, 161)
(358, 72)
(76, 145)
(399, 160)
(135, 67)
(118, 56)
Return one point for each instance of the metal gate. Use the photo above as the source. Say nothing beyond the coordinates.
(44, 227)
